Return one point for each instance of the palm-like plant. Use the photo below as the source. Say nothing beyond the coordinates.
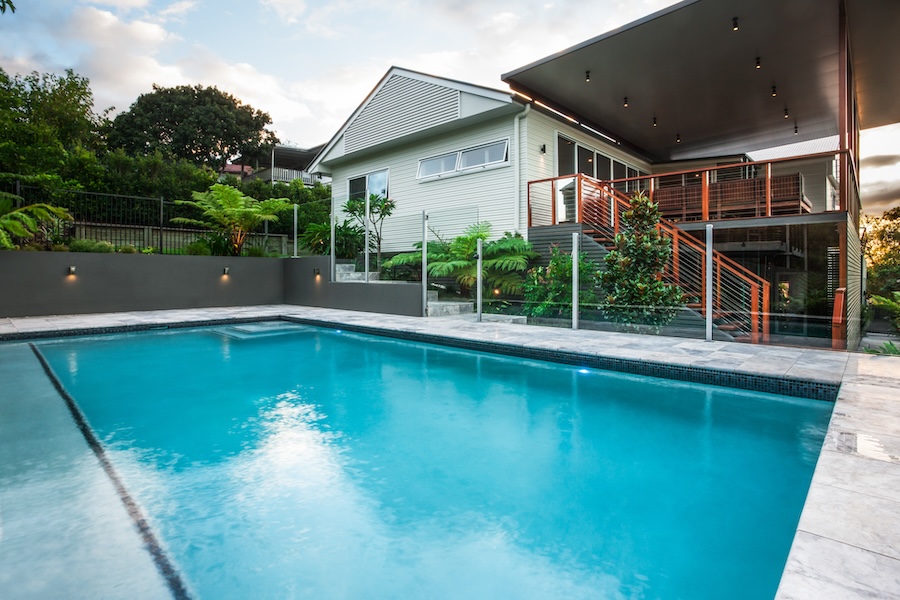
(504, 261)
(230, 211)
(25, 221)
(892, 305)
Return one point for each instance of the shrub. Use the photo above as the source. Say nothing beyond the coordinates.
(128, 249)
(198, 248)
(548, 290)
(891, 305)
(91, 246)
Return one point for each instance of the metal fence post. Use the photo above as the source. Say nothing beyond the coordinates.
(295, 231)
(709, 282)
(575, 284)
(366, 220)
(424, 263)
(333, 231)
(478, 293)
(161, 225)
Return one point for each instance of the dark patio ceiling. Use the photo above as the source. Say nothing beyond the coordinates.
(687, 67)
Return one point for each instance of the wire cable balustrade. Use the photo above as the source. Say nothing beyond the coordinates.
(740, 297)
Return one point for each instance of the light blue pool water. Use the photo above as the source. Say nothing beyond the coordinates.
(291, 461)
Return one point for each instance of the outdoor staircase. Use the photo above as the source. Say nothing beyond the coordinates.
(740, 297)
(542, 238)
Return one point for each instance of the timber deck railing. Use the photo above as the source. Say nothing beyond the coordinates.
(740, 297)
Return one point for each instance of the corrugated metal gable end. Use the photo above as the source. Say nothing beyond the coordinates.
(401, 107)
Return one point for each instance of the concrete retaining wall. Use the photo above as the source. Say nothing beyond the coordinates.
(303, 287)
(39, 283)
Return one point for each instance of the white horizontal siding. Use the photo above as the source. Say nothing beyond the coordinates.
(402, 106)
(452, 202)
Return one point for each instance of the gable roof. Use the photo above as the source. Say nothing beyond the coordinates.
(406, 104)
(686, 69)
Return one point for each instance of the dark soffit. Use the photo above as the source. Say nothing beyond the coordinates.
(686, 67)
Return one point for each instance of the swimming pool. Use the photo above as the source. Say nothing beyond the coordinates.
(283, 460)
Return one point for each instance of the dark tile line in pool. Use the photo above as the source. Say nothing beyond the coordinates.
(801, 388)
(162, 562)
(21, 336)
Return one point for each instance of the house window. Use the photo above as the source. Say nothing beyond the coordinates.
(485, 155)
(365, 185)
(438, 165)
(572, 157)
(462, 160)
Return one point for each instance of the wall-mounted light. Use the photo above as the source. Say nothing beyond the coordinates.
(225, 271)
(677, 138)
(774, 91)
(72, 270)
(758, 63)
(543, 148)
(587, 76)
(654, 121)
(734, 24)
(626, 102)
(786, 114)
(315, 271)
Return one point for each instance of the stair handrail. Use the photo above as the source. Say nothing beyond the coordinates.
(759, 287)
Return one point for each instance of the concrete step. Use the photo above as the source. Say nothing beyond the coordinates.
(356, 276)
(449, 308)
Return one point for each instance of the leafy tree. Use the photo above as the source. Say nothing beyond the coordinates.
(24, 222)
(881, 244)
(504, 263)
(44, 117)
(153, 175)
(380, 208)
(200, 124)
(227, 210)
(633, 292)
(349, 239)
(7, 3)
(548, 290)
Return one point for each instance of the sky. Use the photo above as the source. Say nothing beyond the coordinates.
(309, 64)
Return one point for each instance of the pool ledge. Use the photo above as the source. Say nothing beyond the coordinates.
(847, 543)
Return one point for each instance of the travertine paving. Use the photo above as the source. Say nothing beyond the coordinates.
(848, 540)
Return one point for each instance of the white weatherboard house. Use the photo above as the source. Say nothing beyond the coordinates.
(462, 152)
(740, 119)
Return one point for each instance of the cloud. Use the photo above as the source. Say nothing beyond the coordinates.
(879, 197)
(178, 9)
(105, 32)
(290, 10)
(880, 160)
(119, 4)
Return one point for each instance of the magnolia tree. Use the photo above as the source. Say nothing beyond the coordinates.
(632, 290)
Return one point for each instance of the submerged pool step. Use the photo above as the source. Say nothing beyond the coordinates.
(246, 331)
